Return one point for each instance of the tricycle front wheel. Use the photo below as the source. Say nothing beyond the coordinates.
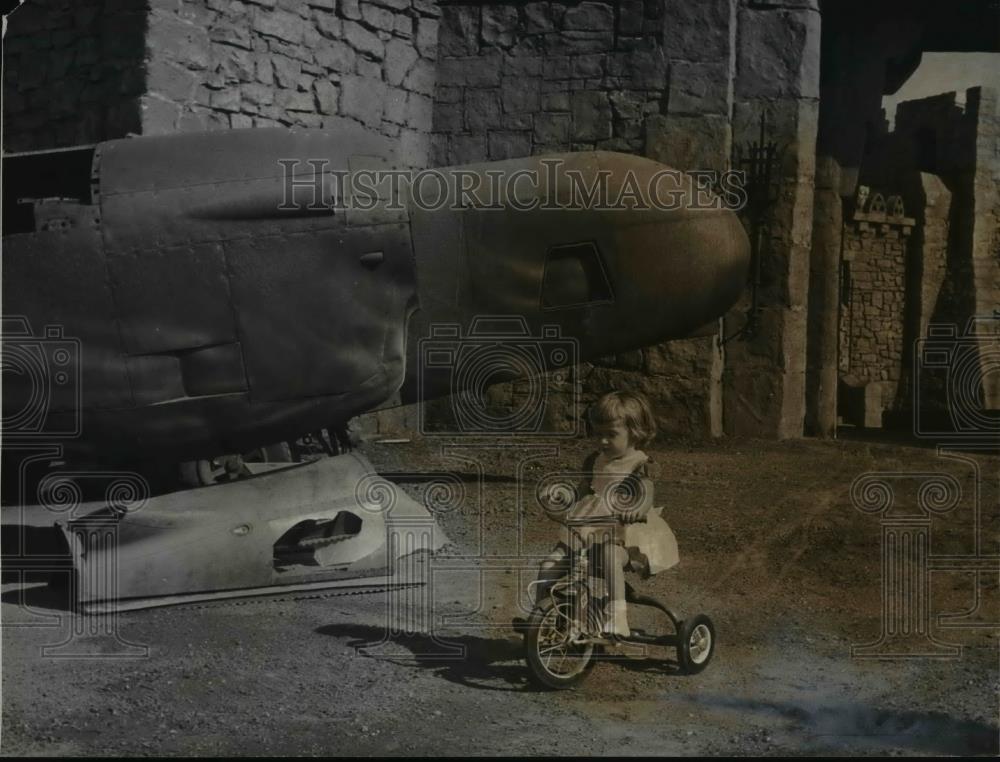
(554, 661)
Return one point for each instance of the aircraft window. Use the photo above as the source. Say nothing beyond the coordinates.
(574, 276)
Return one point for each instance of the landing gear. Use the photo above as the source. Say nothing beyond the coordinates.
(201, 473)
(228, 468)
(336, 439)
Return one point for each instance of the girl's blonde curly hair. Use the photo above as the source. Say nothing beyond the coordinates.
(631, 409)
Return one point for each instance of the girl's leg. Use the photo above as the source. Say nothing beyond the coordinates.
(619, 608)
(555, 566)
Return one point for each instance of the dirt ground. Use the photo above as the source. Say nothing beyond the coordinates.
(772, 548)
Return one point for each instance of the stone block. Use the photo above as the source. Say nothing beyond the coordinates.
(499, 24)
(778, 54)
(329, 26)
(311, 38)
(264, 69)
(627, 104)
(697, 31)
(589, 16)
(336, 56)
(591, 115)
(280, 24)
(399, 58)
(226, 100)
(258, 94)
(557, 68)
(517, 121)
(555, 102)
(396, 5)
(414, 148)
(482, 109)
(419, 111)
(630, 17)
(552, 128)
(644, 69)
(326, 96)
(577, 42)
(508, 145)
(689, 142)
(467, 149)
(421, 78)
(184, 42)
(362, 40)
(447, 94)
(427, 37)
(286, 71)
(362, 99)
(588, 65)
(240, 121)
(308, 119)
(350, 9)
(193, 120)
(459, 32)
(159, 117)
(538, 18)
(395, 106)
(305, 82)
(292, 6)
(429, 8)
(377, 17)
(170, 81)
(520, 95)
(365, 67)
(448, 117)
(295, 101)
(402, 26)
(522, 66)
(699, 88)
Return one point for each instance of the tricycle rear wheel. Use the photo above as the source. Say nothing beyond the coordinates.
(695, 644)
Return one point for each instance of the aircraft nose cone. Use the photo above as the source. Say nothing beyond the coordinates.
(732, 259)
(684, 270)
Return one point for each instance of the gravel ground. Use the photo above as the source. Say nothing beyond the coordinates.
(771, 548)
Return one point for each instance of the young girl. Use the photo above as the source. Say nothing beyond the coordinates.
(616, 486)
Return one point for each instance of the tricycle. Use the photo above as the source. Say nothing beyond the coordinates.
(563, 635)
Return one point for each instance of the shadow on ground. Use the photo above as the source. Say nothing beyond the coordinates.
(494, 664)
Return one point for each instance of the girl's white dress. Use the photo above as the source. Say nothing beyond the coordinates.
(647, 546)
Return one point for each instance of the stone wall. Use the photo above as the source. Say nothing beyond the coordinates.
(873, 301)
(225, 63)
(777, 73)
(72, 72)
(519, 79)
(943, 151)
